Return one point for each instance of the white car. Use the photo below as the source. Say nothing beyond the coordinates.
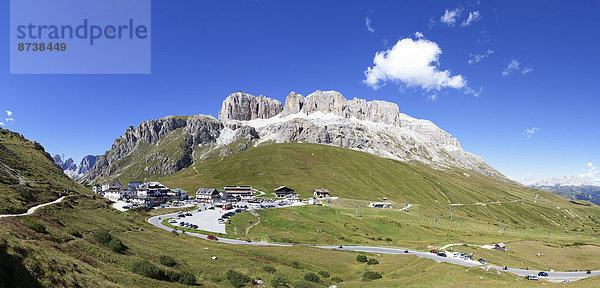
(172, 221)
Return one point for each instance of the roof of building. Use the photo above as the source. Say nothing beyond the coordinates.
(501, 244)
(283, 189)
(152, 185)
(238, 187)
(112, 183)
(321, 191)
(207, 191)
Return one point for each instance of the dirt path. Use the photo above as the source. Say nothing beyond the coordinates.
(253, 212)
(32, 209)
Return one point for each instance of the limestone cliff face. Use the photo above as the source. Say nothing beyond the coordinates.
(167, 145)
(376, 127)
(332, 102)
(162, 146)
(242, 106)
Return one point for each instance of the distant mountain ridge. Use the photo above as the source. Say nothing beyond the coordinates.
(576, 192)
(167, 145)
(71, 169)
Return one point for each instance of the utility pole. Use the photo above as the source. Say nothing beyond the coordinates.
(406, 207)
(548, 234)
(436, 224)
(450, 214)
(525, 225)
(356, 213)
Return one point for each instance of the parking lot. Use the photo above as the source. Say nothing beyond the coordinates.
(207, 219)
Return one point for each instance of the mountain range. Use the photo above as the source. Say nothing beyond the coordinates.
(71, 169)
(167, 145)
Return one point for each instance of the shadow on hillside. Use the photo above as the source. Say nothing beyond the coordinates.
(13, 273)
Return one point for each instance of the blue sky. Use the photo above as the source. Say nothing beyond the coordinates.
(204, 50)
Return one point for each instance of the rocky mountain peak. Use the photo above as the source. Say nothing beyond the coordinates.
(244, 107)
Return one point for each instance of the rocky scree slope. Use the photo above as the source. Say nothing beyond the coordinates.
(167, 145)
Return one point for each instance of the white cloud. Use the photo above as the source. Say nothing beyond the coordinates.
(473, 16)
(592, 172)
(450, 16)
(9, 119)
(368, 23)
(414, 63)
(419, 35)
(431, 23)
(9, 113)
(1, 123)
(530, 131)
(475, 58)
(475, 93)
(432, 97)
(515, 66)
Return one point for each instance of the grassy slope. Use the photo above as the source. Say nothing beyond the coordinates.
(60, 259)
(357, 175)
(28, 176)
(346, 173)
(57, 258)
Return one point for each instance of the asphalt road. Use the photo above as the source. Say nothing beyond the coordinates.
(389, 250)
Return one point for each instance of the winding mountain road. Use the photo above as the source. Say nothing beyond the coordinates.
(32, 209)
(555, 276)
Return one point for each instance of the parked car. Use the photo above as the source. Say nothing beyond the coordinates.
(481, 260)
(542, 273)
(172, 221)
(441, 254)
(531, 277)
(127, 207)
(405, 251)
(588, 272)
(181, 223)
(434, 251)
(211, 237)
(188, 214)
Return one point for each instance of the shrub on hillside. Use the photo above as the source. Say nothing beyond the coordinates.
(116, 245)
(312, 277)
(337, 279)
(372, 262)
(371, 275)
(111, 242)
(167, 261)
(148, 269)
(269, 269)
(280, 282)
(74, 232)
(324, 274)
(187, 278)
(296, 265)
(237, 279)
(34, 225)
(361, 258)
(103, 237)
